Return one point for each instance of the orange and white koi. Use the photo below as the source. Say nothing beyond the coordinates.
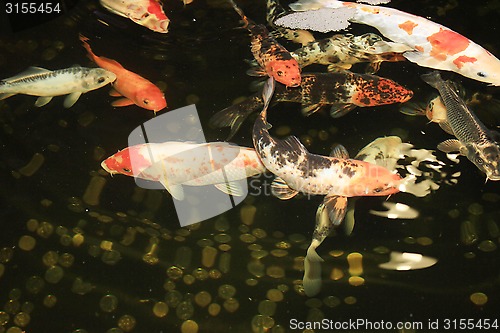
(134, 88)
(175, 164)
(298, 170)
(342, 91)
(272, 57)
(434, 45)
(148, 13)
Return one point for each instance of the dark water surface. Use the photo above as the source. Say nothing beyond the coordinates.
(76, 263)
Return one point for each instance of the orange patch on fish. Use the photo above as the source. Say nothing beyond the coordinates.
(380, 92)
(447, 42)
(460, 61)
(408, 26)
(286, 72)
(156, 9)
(419, 48)
(370, 10)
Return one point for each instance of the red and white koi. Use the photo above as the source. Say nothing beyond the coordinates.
(148, 13)
(73, 81)
(175, 164)
(272, 57)
(134, 88)
(433, 44)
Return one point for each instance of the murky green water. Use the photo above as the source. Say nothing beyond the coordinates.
(116, 260)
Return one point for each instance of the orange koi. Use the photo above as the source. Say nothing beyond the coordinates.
(134, 88)
(271, 55)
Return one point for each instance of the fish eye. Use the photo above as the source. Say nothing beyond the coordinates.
(101, 80)
(481, 74)
(280, 73)
(479, 161)
(126, 170)
(146, 101)
(378, 190)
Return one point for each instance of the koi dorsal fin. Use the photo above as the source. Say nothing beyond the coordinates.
(28, 72)
(339, 151)
(293, 144)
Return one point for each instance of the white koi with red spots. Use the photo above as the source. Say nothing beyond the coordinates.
(174, 164)
(148, 13)
(434, 45)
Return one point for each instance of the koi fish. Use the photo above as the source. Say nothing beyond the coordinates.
(335, 176)
(175, 164)
(148, 13)
(343, 51)
(434, 45)
(134, 88)
(474, 139)
(73, 81)
(343, 91)
(271, 56)
(434, 110)
(275, 11)
(384, 152)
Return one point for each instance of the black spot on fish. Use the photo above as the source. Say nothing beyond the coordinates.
(348, 171)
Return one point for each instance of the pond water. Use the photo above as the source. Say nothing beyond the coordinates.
(81, 251)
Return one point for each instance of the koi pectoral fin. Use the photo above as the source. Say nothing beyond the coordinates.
(71, 99)
(450, 146)
(281, 190)
(336, 207)
(4, 96)
(309, 109)
(413, 109)
(339, 110)
(176, 191)
(114, 93)
(445, 126)
(122, 102)
(231, 188)
(44, 100)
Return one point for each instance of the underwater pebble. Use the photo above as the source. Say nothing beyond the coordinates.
(350, 300)
(173, 298)
(356, 281)
(222, 238)
(214, 309)
(81, 287)
(493, 229)
(54, 274)
(126, 323)
(251, 282)
(381, 250)
(203, 298)
(279, 253)
(231, 305)
(34, 284)
(274, 295)
(491, 197)
(425, 241)
(108, 303)
(267, 308)
(49, 301)
(256, 268)
(174, 272)
(32, 225)
(33, 165)
(26, 243)
(93, 191)
(200, 274)
(336, 253)
(468, 233)
(479, 298)
(226, 291)
(487, 246)
(225, 262)
(475, 209)
(331, 301)
(160, 309)
(259, 254)
(355, 261)
(184, 310)
(189, 326)
(336, 274)
(208, 256)
(247, 214)
(276, 272)
(6, 254)
(86, 118)
(248, 238)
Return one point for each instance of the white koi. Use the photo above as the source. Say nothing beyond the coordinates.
(434, 45)
(73, 81)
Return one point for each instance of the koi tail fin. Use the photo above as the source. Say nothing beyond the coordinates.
(87, 47)
(248, 24)
(312, 272)
(432, 78)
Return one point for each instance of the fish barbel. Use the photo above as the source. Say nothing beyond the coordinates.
(342, 91)
(148, 13)
(73, 81)
(474, 139)
(434, 45)
(175, 164)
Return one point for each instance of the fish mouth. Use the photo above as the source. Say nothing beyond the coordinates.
(105, 167)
